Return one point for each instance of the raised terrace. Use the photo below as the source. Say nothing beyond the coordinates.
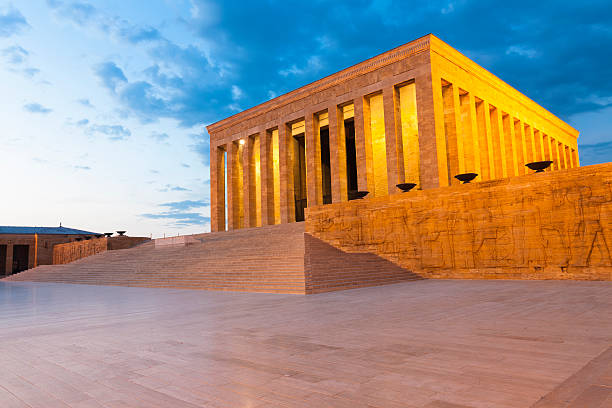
(554, 225)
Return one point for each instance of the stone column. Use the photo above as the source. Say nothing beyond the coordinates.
(217, 188)
(488, 134)
(539, 146)
(575, 158)
(363, 145)
(337, 154)
(522, 146)
(313, 160)
(247, 187)
(474, 135)
(214, 215)
(459, 129)
(395, 155)
(267, 178)
(483, 150)
(547, 151)
(559, 155)
(231, 182)
(553, 154)
(508, 123)
(433, 143)
(531, 148)
(502, 165)
(287, 198)
(451, 132)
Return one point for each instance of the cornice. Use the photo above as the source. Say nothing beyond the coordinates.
(369, 65)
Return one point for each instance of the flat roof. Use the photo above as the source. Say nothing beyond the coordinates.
(44, 231)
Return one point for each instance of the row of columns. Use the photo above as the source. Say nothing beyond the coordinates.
(241, 183)
(480, 138)
(457, 133)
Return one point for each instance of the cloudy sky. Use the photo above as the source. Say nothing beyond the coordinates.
(103, 103)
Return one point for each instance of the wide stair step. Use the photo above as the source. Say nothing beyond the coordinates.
(273, 259)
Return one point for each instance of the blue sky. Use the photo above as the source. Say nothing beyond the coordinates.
(103, 103)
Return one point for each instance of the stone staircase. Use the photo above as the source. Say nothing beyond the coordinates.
(273, 259)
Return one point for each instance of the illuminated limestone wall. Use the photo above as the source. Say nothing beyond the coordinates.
(552, 225)
(420, 113)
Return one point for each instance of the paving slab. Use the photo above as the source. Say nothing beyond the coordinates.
(422, 344)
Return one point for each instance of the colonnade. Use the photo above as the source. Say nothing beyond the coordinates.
(269, 176)
(371, 142)
(484, 139)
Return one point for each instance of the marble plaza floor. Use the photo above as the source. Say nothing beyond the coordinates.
(434, 344)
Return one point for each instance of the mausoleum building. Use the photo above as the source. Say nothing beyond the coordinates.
(420, 113)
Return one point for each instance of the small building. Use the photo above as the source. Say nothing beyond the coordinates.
(23, 248)
(421, 113)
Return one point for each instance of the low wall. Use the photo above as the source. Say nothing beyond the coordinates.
(180, 240)
(71, 251)
(125, 242)
(552, 225)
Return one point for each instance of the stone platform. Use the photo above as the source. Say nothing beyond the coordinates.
(552, 225)
(424, 344)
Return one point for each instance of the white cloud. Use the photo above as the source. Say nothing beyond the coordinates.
(522, 51)
(313, 65)
(237, 93)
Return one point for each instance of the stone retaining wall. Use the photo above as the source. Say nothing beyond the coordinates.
(71, 251)
(553, 225)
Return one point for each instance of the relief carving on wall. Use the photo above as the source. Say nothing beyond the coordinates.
(556, 228)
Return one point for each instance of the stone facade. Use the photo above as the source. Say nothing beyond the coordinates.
(420, 113)
(555, 225)
(39, 250)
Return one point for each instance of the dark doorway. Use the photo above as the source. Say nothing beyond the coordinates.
(2, 260)
(21, 253)
(351, 155)
(299, 176)
(325, 166)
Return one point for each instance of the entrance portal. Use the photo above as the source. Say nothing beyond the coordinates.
(2, 260)
(21, 253)
(299, 176)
